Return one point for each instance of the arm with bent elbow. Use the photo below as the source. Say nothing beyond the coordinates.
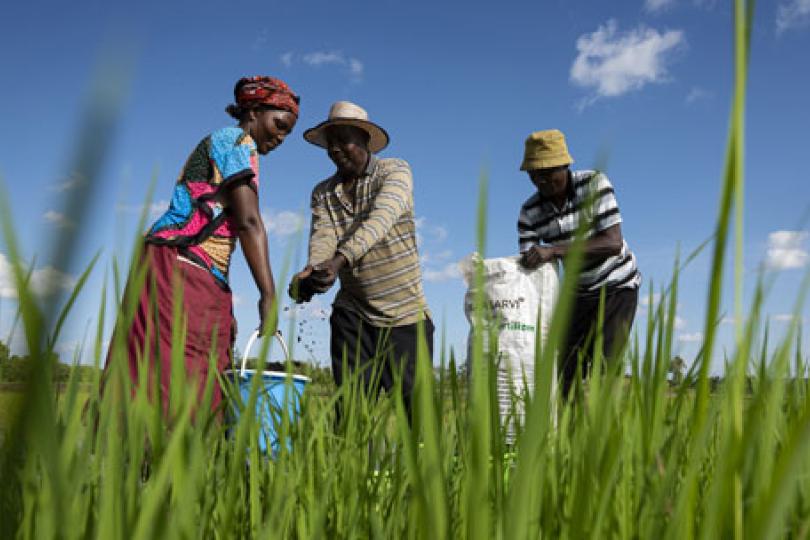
(243, 204)
(599, 247)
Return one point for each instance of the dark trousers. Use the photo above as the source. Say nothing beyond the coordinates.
(620, 310)
(379, 353)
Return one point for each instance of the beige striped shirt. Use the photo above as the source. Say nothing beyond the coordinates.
(376, 232)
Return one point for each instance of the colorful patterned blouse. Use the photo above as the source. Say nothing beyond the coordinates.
(196, 222)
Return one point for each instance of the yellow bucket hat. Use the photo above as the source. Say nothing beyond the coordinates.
(545, 149)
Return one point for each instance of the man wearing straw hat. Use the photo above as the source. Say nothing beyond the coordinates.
(547, 225)
(363, 231)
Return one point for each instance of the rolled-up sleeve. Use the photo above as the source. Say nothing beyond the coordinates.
(322, 234)
(394, 199)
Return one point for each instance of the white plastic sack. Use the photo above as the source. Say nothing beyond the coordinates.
(515, 297)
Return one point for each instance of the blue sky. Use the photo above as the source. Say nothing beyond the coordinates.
(458, 86)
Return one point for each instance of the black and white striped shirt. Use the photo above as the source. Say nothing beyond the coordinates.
(590, 197)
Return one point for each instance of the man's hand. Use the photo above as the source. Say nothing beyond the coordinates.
(301, 288)
(536, 256)
(265, 304)
(325, 274)
(315, 280)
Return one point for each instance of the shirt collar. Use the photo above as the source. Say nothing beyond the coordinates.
(371, 165)
(369, 170)
(570, 194)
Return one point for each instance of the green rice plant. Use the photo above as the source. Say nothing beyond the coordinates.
(629, 457)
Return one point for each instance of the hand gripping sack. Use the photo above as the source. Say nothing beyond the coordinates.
(514, 298)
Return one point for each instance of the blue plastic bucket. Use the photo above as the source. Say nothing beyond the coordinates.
(279, 394)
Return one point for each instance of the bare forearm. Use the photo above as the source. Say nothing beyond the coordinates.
(604, 244)
(253, 238)
(243, 204)
(594, 248)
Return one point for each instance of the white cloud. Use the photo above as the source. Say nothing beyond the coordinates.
(645, 299)
(48, 280)
(654, 6)
(612, 64)
(657, 6)
(429, 257)
(786, 250)
(694, 337)
(680, 323)
(261, 39)
(317, 59)
(284, 223)
(792, 14)
(448, 272)
(783, 317)
(440, 233)
(355, 67)
(58, 219)
(43, 282)
(70, 182)
(696, 94)
(154, 210)
(429, 231)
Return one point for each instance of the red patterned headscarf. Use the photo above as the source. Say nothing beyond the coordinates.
(267, 91)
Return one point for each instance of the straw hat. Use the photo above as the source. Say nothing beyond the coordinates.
(544, 150)
(346, 113)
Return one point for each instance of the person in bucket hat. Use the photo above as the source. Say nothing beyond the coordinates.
(547, 226)
(364, 233)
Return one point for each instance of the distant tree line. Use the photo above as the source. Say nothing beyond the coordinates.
(16, 368)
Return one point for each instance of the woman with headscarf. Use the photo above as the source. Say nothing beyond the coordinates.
(188, 249)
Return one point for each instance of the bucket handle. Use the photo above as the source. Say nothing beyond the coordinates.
(253, 337)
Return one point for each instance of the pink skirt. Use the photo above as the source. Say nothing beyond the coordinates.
(207, 310)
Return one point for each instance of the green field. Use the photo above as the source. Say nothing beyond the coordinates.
(10, 403)
(628, 458)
